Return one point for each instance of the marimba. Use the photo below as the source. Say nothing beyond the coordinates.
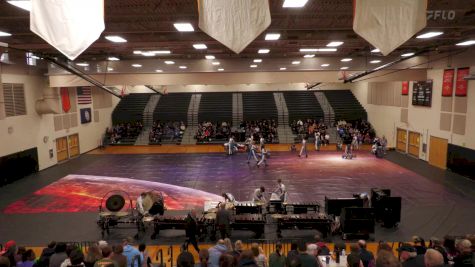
(316, 221)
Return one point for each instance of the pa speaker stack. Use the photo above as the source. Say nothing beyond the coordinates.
(387, 208)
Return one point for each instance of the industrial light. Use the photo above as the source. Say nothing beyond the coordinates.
(216, 63)
(23, 4)
(283, 68)
(116, 39)
(110, 69)
(137, 52)
(158, 70)
(344, 68)
(253, 66)
(183, 67)
(2, 34)
(161, 52)
(309, 56)
(375, 61)
(148, 54)
(210, 57)
(334, 44)
(113, 58)
(168, 62)
(295, 62)
(326, 50)
(200, 46)
(83, 64)
(308, 50)
(184, 27)
(429, 35)
(407, 54)
(257, 60)
(466, 43)
(376, 50)
(220, 69)
(294, 3)
(263, 51)
(325, 65)
(272, 36)
(346, 60)
(304, 50)
(136, 65)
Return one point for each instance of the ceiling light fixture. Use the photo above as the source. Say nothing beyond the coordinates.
(325, 65)
(272, 36)
(137, 52)
(183, 67)
(257, 60)
(115, 39)
(110, 69)
(113, 59)
(158, 70)
(283, 68)
(210, 57)
(309, 56)
(220, 69)
(83, 64)
(294, 3)
(376, 50)
(184, 27)
(23, 4)
(169, 62)
(136, 65)
(161, 52)
(429, 35)
(296, 62)
(263, 51)
(148, 54)
(253, 66)
(376, 61)
(304, 50)
(346, 60)
(407, 54)
(200, 46)
(466, 43)
(334, 44)
(216, 63)
(2, 34)
(344, 68)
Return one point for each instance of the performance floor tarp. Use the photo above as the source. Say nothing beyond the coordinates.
(434, 202)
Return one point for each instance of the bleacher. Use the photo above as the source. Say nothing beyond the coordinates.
(259, 106)
(216, 107)
(130, 108)
(172, 107)
(302, 105)
(345, 105)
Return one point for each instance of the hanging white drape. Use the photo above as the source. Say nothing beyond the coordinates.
(387, 24)
(70, 26)
(234, 23)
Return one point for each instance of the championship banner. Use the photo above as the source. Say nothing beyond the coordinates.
(448, 82)
(461, 84)
(405, 88)
(65, 101)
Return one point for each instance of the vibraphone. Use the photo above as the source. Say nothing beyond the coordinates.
(163, 222)
(251, 222)
(319, 221)
(244, 207)
(108, 220)
(302, 207)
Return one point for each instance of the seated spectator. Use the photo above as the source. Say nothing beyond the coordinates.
(408, 256)
(76, 258)
(43, 261)
(354, 259)
(147, 262)
(385, 247)
(237, 250)
(215, 252)
(106, 260)
(208, 131)
(117, 256)
(121, 131)
(305, 259)
(433, 258)
(185, 258)
(277, 258)
(386, 259)
(134, 258)
(419, 244)
(59, 255)
(226, 260)
(247, 259)
(92, 256)
(203, 257)
(449, 245)
(465, 258)
(436, 244)
(27, 259)
(366, 256)
(293, 255)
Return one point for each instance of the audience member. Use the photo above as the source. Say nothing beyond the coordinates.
(92, 256)
(106, 260)
(247, 259)
(386, 259)
(27, 259)
(77, 258)
(4, 262)
(203, 258)
(229, 245)
(185, 258)
(19, 254)
(237, 250)
(46, 254)
(433, 258)
(449, 245)
(366, 256)
(409, 257)
(385, 247)
(134, 258)
(277, 258)
(59, 255)
(226, 260)
(9, 252)
(419, 244)
(305, 259)
(293, 255)
(69, 249)
(259, 256)
(215, 252)
(208, 131)
(124, 130)
(465, 258)
(117, 255)
(169, 130)
(354, 259)
(147, 262)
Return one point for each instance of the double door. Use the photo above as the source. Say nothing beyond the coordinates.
(67, 147)
(408, 142)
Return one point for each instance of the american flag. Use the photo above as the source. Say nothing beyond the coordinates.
(84, 95)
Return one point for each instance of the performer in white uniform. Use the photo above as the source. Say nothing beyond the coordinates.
(139, 204)
(280, 190)
(251, 149)
(303, 150)
(263, 156)
(259, 194)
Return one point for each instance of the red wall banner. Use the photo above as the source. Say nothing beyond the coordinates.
(461, 85)
(65, 99)
(405, 88)
(448, 82)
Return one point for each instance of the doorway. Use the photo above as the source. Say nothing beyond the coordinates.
(438, 152)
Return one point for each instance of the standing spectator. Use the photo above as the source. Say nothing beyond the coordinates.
(59, 255)
(465, 258)
(117, 256)
(409, 258)
(106, 260)
(386, 259)
(27, 259)
(353, 259)
(223, 221)
(134, 258)
(77, 258)
(237, 250)
(229, 245)
(366, 256)
(46, 254)
(185, 258)
(190, 230)
(226, 260)
(203, 258)
(147, 262)
(259, 256)
(247, 259)
(305, 259)
(277, 259)
(4, 262)
(9, 252)
(449, 245)
(19, 254)
(215, 252)
(92, 256)
(293, 255)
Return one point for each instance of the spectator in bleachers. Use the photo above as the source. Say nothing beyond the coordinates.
(166, 130)
(386, 258)
(433, 258)
(409, 257)
(207, 131)
(122, 131)
(465, 258)
(265, 128)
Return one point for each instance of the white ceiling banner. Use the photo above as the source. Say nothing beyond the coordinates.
(234, 23)
(70, 26)
(387, 24)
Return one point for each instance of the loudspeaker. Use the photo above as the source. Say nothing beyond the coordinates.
(357, 221)
(335, 206)
(390, 210)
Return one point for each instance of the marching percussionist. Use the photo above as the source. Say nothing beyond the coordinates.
(258, 195)
(280, 190)
(139, 204)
